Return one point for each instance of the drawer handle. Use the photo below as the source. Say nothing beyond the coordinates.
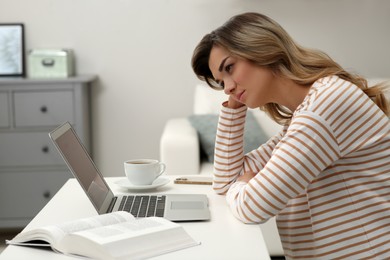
(45, 149)
(43, 109)
(47, 195)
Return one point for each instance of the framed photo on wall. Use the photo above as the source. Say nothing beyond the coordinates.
(12, 54)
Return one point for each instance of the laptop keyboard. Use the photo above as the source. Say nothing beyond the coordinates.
(141, 206)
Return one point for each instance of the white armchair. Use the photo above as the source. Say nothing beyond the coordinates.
(180, 149)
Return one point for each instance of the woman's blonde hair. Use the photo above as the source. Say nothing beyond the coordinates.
(262, 41)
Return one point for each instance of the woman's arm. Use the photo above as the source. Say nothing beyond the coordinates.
(306, 149)
(230, 161)
(229, 149)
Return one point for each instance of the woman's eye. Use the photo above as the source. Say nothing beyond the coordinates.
(228, 68)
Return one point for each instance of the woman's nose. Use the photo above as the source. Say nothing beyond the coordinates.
(229, 86)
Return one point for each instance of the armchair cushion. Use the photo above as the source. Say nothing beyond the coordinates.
(206, 127)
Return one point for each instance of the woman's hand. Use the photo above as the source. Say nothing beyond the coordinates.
(233, 103)
(246, 177)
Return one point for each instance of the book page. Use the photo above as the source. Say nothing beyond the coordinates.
(141, 238)
(117, 231)
(53, 234)
(93, 222)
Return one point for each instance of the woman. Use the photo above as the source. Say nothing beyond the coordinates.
(326, 176)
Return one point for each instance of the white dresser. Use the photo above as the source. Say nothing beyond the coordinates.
(31, 169)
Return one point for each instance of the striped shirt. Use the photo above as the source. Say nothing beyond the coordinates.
(325, 176)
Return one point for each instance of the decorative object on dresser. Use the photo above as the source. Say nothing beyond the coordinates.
(12, 49)
(50, 63)
(31, 171)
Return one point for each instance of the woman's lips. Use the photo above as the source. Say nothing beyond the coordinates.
(240, 96)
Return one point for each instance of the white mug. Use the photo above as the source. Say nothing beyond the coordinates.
(143, 171)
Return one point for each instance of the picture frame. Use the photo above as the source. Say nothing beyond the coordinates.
(12, 51)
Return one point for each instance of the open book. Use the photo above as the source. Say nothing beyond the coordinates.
(115, 235)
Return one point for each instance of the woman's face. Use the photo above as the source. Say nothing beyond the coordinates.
(243, 81)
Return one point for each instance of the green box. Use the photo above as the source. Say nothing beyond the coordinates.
(50, 63)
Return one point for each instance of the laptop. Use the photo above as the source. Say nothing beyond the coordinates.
(174, 207)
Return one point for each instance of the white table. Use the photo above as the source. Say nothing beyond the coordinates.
(223, 237)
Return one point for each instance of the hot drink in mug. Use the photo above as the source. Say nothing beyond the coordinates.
(143, 171)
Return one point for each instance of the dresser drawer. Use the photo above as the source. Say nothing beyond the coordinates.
(28, 149)
(31, 168)
(24, 194)
(49, 108)
(4, 112)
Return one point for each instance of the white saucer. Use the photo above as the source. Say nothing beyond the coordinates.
(126, 184)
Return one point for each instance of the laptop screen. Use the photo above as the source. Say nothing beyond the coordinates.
(81, 164)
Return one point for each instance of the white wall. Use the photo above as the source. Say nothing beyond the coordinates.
(141, 51)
